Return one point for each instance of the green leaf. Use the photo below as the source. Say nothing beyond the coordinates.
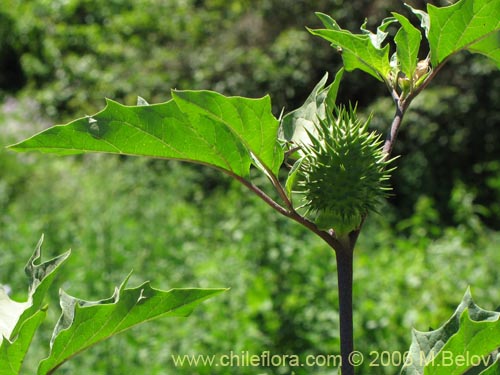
(425, 22)
(328, 21)
(471, 331)
(379, 37)
(296, 124)
(19, 320)
(250, 120)
(408, 44)
(494, 369)
(12, 353)
(292, 176)
(85, 323)
(489, 47)
(359, 51)
(10, 312)
(460, 26)
(197, 126)
(470, 346)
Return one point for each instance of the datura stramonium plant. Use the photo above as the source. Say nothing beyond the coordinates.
(343, 173)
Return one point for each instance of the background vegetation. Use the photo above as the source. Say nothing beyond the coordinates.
(181, 225)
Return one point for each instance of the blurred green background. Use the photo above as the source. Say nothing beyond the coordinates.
(180, 225)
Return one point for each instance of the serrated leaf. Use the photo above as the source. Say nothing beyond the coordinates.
(358, 51)
(201, 127)
(85, 323)
(296, 124)
(460, 25)
(251, 120)
(19, 320)
(407, 41)
(469, 329)
(379, 37)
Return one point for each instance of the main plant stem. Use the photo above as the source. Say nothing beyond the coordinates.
(345, 277)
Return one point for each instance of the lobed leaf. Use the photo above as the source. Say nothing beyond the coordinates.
(85, 323)
(250, 120)
(469, 347)
(425, 22)
(471, 332)
(20, 320)
(460, 26)
(359, 51)
(379, 37)
(197, 126)
(12, 353)
(296, 124)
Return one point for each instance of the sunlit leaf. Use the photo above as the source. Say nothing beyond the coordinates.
(425, 22)
(379, 37)
(85, 323)
(408, 44)
(12, 353)
(489, 47)
(250, 120)
(358, 50)
(197, 126)
(461, 25)
(19, 320)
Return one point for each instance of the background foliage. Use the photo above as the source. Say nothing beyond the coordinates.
(181, 225)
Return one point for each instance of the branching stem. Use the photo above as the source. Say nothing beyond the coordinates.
(289, 212)
(394, 129)
(343, 247)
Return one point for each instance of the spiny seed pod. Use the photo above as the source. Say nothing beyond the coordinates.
(343, 173)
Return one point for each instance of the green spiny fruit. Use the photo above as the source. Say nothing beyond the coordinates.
(343, 172)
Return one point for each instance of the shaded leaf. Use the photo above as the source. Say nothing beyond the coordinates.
(85, 323)
(461, 25)
(470, 346)
(494, 369)
(197, 126)
(296, 124)
(470, 329)
(292, 176)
